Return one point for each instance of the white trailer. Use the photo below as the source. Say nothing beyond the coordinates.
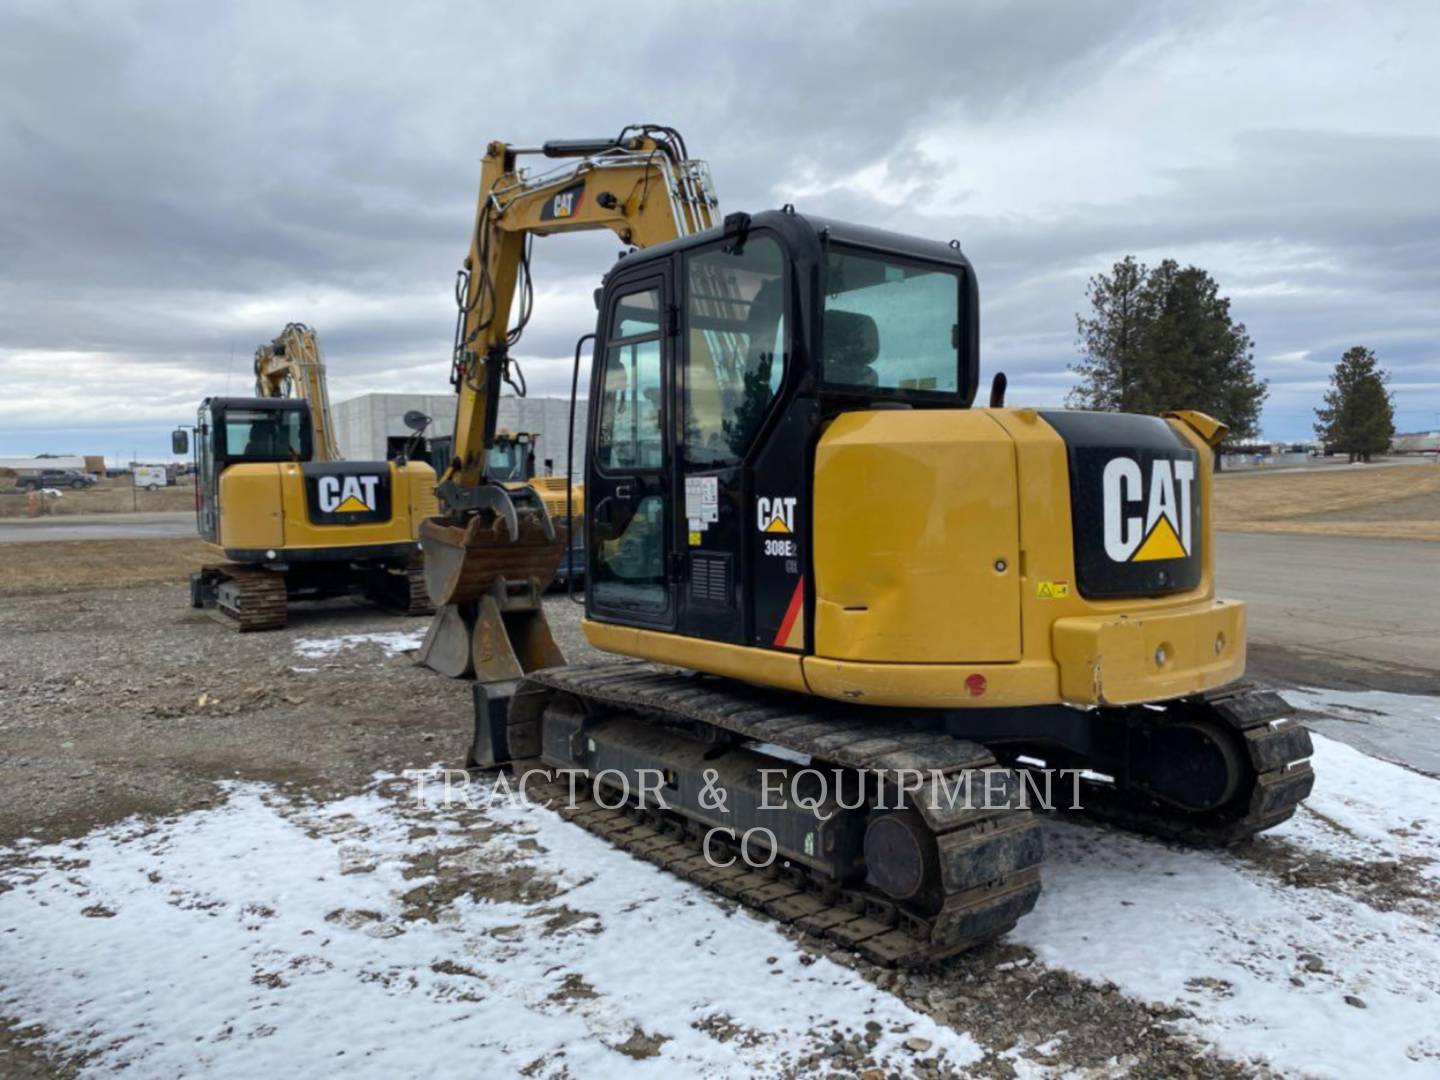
(151, 476)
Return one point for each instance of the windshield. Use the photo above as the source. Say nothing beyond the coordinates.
(505, 462)
(890, 323)
(264, 434)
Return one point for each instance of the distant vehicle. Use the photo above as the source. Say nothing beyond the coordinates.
(151, 476)
(55, 478)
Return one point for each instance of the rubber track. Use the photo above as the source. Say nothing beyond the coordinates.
(264, 602)
(990, 857)
(1277, 749)
(419, 597)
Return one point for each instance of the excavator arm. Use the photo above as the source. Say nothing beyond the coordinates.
(492, 549)
(639, 185)
(290, 366)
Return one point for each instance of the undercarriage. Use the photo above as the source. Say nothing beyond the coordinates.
(887, 831)
(254, 597)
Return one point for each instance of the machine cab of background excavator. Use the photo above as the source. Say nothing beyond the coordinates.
(231, 431)
(719, 358)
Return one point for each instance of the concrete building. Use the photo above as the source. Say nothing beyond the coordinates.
(363, 424)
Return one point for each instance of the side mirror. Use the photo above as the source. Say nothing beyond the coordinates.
(179, 441)
(416, 421)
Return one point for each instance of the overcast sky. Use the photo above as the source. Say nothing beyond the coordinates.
(179, 180)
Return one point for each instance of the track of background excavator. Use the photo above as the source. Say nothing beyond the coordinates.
(405, 593)
(263, 600)
(419, 597)
(989, 858)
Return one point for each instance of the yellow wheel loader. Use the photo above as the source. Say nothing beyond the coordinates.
(844, 595)
(292, 520)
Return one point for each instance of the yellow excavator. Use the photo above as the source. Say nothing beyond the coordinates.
(842, 594)
(292, 520)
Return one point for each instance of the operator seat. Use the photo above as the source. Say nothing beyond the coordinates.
(264, 441)
(852, 345)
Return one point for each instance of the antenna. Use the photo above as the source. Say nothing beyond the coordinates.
(229, 368)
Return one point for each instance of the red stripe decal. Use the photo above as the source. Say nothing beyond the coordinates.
(797, 599)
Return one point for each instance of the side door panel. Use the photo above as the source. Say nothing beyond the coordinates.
(629, 499)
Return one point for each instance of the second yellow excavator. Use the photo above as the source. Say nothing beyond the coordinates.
(291, 520)
(846, 593)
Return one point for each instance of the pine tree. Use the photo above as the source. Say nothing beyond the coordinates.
(1110, 339)
(1358, 417)
(1162, 339)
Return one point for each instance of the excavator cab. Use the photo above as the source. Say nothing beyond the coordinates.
(232, 431)
(720, 360)
(511, 460)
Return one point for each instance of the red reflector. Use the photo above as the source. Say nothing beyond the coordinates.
(975, 684)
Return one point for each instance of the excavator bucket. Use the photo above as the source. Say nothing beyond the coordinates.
(487, 588)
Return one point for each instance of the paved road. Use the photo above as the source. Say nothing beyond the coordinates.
(1341, 600)
(1346, 614)
(139, 526)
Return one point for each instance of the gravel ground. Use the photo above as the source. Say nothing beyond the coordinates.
(126, 701)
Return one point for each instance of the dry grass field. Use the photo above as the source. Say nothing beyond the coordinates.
(112, 495)
(1399, 502)
(31, 569)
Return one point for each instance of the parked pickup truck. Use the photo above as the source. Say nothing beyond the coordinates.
(55, 478)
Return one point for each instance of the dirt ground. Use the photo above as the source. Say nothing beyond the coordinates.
(111, 495)
(125, 701)
(121, 700)
(1399, 502)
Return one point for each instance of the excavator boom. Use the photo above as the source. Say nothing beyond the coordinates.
(638, 185)
(291, 366)
(644, 188)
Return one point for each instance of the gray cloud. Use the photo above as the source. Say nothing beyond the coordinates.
(180, 180)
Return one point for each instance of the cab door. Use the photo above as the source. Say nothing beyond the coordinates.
(630, 523)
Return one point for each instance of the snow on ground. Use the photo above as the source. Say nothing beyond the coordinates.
(391, 935)
(260, 936)
(1266, 968)
(393, 642)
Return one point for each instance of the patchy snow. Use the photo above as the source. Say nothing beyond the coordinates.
(393, 642)
(1265, 967)
(394, 936)
(1367, 810)
(262, 936)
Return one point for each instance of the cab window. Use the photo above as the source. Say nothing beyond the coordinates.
(736, 348)
(630, 435)
(265, 435)
(890, 323)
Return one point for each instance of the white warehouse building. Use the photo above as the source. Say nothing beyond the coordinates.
(363, 424)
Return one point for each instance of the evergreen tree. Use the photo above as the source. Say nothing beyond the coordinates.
(1110, 339)
(1161, 339)
(1358, 417)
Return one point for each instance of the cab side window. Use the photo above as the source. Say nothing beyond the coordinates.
(630, 434)
(736, 348)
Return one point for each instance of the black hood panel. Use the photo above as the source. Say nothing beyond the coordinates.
(1134, 504)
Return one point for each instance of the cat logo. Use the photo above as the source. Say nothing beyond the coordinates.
(775, 515)
(1159, 526)
(347, 494)
(563, 204)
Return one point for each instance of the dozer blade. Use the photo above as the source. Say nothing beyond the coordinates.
(464, 562)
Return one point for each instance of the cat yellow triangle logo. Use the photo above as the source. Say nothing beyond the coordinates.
(1162, 543)
(350, 506)
(777, 525)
